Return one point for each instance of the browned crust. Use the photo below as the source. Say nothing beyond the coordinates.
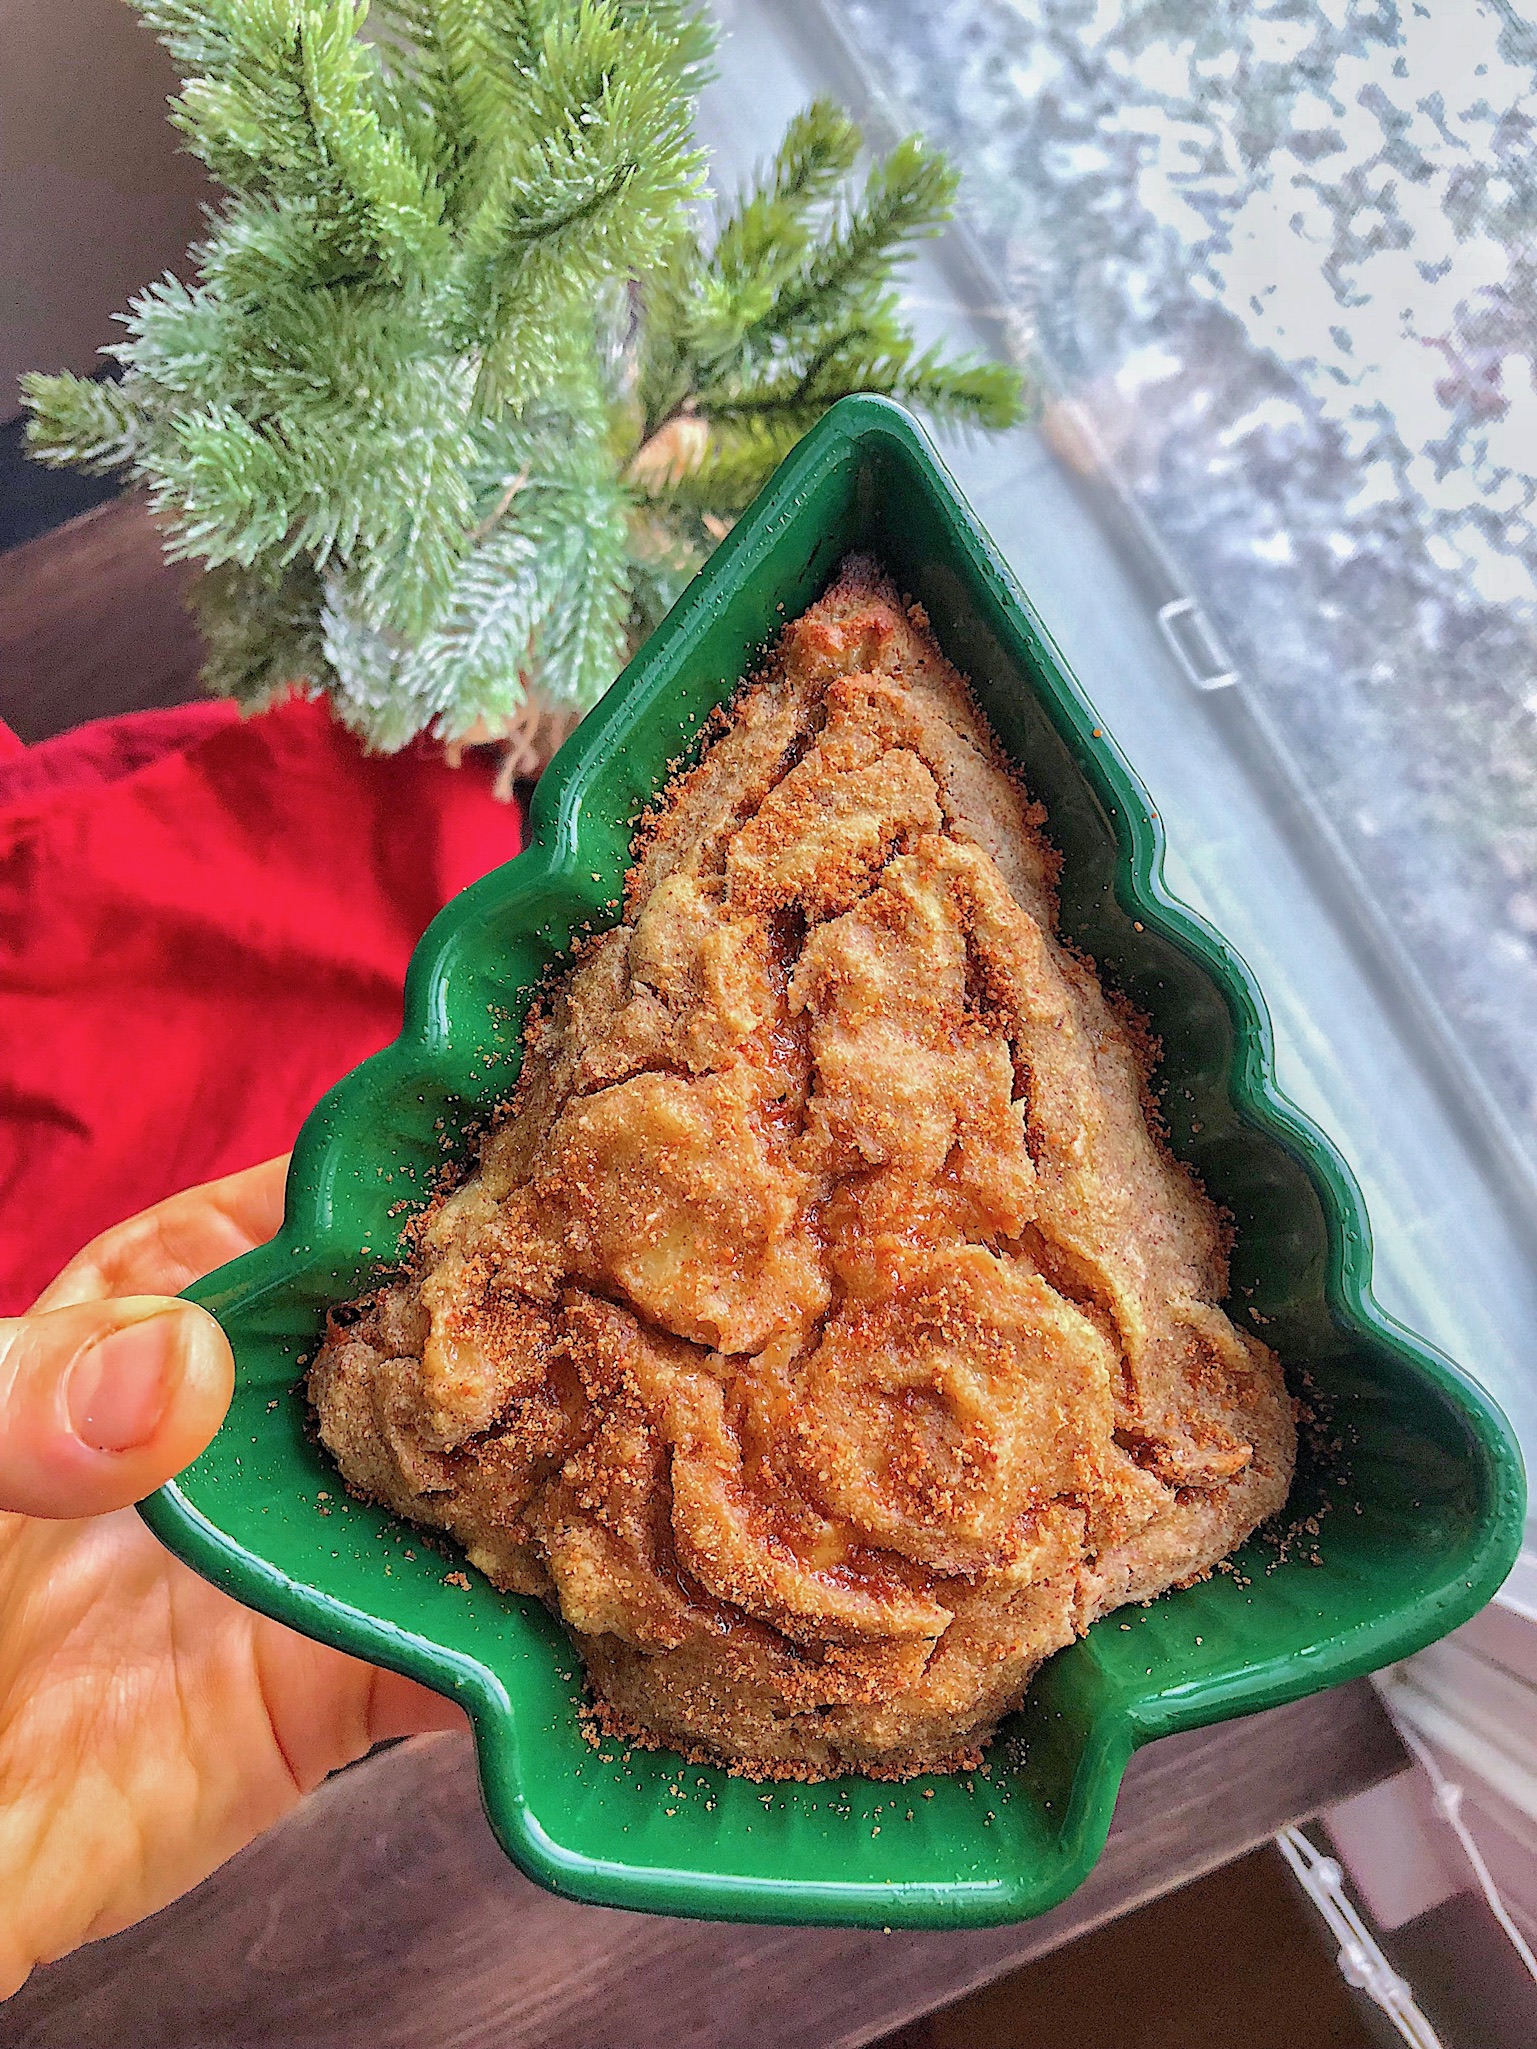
(827, 1331)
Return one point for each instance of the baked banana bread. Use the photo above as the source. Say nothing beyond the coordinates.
(825, 1331)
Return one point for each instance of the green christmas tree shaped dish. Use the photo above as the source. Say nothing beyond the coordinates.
(1426, 1494)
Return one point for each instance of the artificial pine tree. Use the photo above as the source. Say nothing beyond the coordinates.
(460, 396)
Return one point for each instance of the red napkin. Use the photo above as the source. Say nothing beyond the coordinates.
(204, 922)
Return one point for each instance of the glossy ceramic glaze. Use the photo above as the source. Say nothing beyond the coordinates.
(1422, 1502)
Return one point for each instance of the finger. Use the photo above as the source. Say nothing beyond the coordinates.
(163, 1249)
(401, 1707)
(102, 1402)
(326, 1709)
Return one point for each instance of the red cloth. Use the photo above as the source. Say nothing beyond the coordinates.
(204, 921)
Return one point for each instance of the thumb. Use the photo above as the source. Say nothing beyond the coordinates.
(102, 1401)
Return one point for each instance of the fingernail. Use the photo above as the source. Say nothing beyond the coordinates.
(120, 1388)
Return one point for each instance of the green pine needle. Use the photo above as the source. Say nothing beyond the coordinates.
(907, 196)
(458, 397)
(78, 422)
(261, 631)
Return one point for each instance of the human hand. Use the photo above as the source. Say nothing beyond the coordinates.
(149, 1725)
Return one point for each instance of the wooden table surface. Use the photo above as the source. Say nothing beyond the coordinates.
(93, 621)
(382, 1913)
